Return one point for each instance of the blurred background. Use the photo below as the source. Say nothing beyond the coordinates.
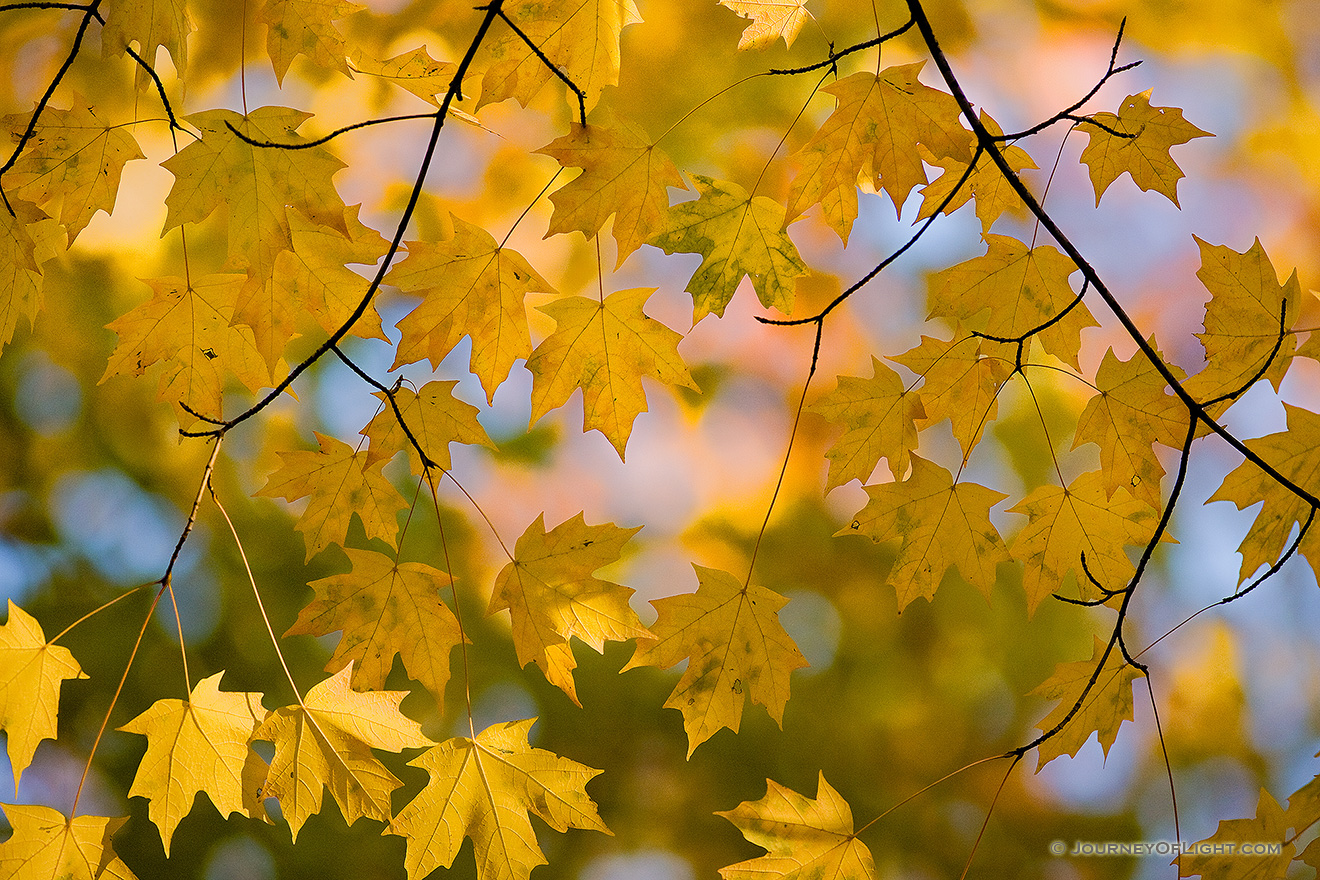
(95, 484)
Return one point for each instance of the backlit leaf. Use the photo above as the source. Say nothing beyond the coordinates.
(879, 416)
(198, 745)
(803, 838)
(730, 635)
(306, 27)
(940, 524)
(435, 417)
(1107, 705)
(326, 743)
(552, 594)
(1221, 856)
(739, 236)
(1144, 154)
(484, 788)
(341, 482)
(771, 19)
(31, 672)
(604, 348)
(47, 846)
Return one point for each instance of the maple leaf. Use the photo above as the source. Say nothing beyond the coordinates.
(623, 174)
(739, 236)
(880, 417)
(305, 27)
(484, 788)
(1131, 411)
(1011, 290)
(152, 24)
(1086, 520)
(961, 378)
(871, 135)
(940, 523)
(198, 745)
(20, 274)
(803, 838)
(604, 348)
(1295, 453)
(384, 607)
(1242, 320)
(734, 645)
(256, 186)
(313, 279)
(550, 592)
(471, 286)
(1141, 149)
(415, 71)
(31, 672)
(73, 159)
(188, 327)
(435, 417)
(1107, 705)
(992, 191)
(47, 845)
(770, 19)
(579, 37)
(341, 482)
(1269, 826)
(326, 743)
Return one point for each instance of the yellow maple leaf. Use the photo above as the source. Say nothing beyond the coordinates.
(471, 286)
(803, 838)
(188, 328)
(986, 184)
(604, 348)
(1011, 290)
(770, 19)
(306, 27)
(550, 590)
(415, 71)
(623, 174)
(484, 788)
(739, 236)
(198, 745)
(341, 482)
(256, 187)
(435, 417)
(1131, 411)
(941, 524)
(326, 743)
(1220, 856)
(152, 24)
(384, 607)
(1084, 519)
(313, 279)
(870, 135)
(961, 378)
(31, 672)
(1242, 320)
(1144, 153)
(21, 277)
(1107, 705)
(47, 846)
(580, 37)
(74, 160)
(1295, 453)
(880, 419)
(734, 645)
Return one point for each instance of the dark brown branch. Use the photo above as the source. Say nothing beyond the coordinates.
(41, 5)
(160, 86)
(1274, 569)
(307, 145)
(834, 57)
(1068, 112)
(860, 283)
(986, 140)
(454, 89)
(427, 462)
(90, 12)
(549, 65)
